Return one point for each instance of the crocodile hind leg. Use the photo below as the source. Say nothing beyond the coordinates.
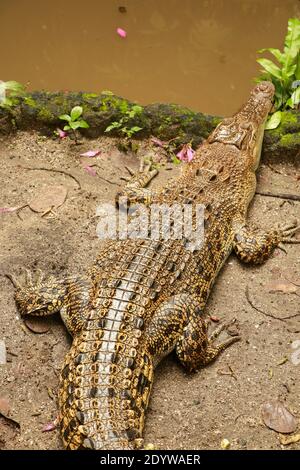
(178, 323)
(254, 246)
(135, 191)
(41, 296)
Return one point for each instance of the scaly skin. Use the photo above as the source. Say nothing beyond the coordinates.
(142, 297)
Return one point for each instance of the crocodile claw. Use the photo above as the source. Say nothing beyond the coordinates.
(287, 232)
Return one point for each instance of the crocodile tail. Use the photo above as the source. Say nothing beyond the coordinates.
(103, 395)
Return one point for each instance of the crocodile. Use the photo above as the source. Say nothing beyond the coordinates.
(145, 297)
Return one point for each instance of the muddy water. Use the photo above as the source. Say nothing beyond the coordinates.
(200, 53)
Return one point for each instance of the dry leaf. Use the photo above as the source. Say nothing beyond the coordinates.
(293, 326)
(281, 286)
(286, 440)
(37, 325)
(9, 421)
(276, 416)
(214, 318)
(47, 198)
(4, 406)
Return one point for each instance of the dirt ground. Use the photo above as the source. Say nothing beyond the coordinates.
(187, 411)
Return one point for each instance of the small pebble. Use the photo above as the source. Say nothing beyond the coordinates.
(2, 353)
(149, 446)
(225, 444)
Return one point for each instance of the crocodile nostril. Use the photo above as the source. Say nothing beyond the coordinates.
(265, 87)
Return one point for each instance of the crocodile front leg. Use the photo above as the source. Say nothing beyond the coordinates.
(42, 296)
(255, 246)
(179, 324)
(135, 190)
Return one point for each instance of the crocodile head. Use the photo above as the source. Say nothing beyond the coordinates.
(245, 129)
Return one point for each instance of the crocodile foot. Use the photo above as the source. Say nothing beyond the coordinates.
(135, 190)
(216, 332)
(26, 281)
(35, 294)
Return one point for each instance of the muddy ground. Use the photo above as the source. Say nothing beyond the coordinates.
(186, 411)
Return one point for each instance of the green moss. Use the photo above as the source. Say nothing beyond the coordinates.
(112, 102)
(289, 140)
(61, 101)
(215, 121)
(30, 102)
(45, 115)
(89, 96)
(288, 117)
(103, 107)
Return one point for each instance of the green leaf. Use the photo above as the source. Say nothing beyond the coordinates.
(7, 102)
(76, 112)
(107, 92)
(65, 117)
(176, 160)
(290, 71)
(67, 127)
(126, 131)
(276, 53)
(273, 121)
(137, 109)
(294, 100)
(123, 106)
(297, 73)
(114, 125)
(74, 125)
(270, 67)
(83, 124)
(292, 42)
(14, 86)
(135, 129)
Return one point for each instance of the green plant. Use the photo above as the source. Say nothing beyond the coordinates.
(122, 124)
(9, 91)
(285, 74)
(73, 121)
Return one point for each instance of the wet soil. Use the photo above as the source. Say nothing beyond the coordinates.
(187, 411)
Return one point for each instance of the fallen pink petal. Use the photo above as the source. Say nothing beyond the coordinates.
(61, 134)
(49, 427)
(7, 209)
(121, 33)
(90, 170)
(186, 154)
(190, 154)
(90, 153)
